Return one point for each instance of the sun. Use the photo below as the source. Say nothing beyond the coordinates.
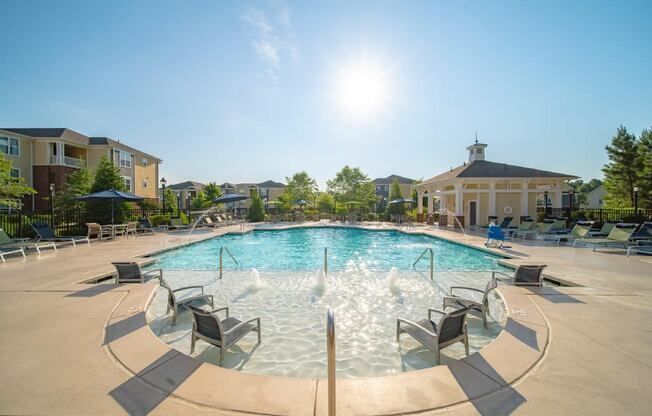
(362, 89)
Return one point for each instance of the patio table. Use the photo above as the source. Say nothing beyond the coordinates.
(114, 228)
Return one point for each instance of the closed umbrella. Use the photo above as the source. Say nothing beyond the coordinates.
(112, 195)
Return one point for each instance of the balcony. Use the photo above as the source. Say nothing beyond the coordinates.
(67, 161)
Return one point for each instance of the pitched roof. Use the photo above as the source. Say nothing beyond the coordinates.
(107, 141)
(51, 132)
(487, 169)
(391, 178)
(270, 184)
(185, 185)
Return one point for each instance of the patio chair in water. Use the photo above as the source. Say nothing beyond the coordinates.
(10, 245)
(222, 333)
(45, 233)
(525, 275)
(641, 247)
(495, 237)
(130, 272)
(177, 301)
(619, 235)
(480, 307)
(450, 329)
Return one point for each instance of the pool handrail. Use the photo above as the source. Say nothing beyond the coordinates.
(330, 348)
(225, 248)
(325, 260)
(432, 261)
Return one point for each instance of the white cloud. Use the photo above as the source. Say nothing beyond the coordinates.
(271, 36)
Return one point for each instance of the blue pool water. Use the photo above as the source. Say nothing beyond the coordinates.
(303, 249)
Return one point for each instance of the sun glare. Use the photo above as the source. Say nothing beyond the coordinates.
(362, 90)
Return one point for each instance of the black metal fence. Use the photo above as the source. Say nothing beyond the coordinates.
(599, 215)
(72, 222)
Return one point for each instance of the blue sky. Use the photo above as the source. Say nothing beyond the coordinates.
(249, 91)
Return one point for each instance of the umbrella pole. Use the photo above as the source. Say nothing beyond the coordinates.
(112, 220)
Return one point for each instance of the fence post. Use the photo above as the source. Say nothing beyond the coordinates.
(19, 234)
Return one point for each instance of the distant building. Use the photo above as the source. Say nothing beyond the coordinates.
(268, 190)
(186, 192)
(595, 198)
(45, 156)
(480, 188)
(383, 188)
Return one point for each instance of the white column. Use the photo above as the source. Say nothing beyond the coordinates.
(419, 202)
(61, 150)
(492, 199)
(459, 199)
(524, 198)
(556, 199)
(431, 201)
(443, 206)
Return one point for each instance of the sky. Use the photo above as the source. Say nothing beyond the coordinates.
(249, 91)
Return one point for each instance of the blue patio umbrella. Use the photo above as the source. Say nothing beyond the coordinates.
(401, 201)
(110, 195)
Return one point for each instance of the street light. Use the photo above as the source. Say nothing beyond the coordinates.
(52, 192)
(636, 200)
(163, 183)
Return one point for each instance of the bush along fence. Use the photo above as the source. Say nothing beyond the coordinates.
(72, 222)
(598, 215)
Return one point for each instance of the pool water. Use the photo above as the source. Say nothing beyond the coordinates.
(370, 283)
(303, 249)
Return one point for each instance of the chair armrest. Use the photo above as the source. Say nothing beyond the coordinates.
(431, 310)
(407, 321)
(466, 288)
(154, 271)
(20, 240)
(235, 328)
(191, 298)
(190, 287)
(494, 273)
(223, 308)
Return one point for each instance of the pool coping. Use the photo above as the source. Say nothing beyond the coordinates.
(508, 359)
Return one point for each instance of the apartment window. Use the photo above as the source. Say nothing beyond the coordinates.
(14, 173)
(145, 162)
(10, 146)
(126, 180)
(386, 188)
(145, 183)
(125, 159)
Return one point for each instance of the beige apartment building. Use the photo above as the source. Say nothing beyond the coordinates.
(268, 190)
(469, 194)
(45, 156)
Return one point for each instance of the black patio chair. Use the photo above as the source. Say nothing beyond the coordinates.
(184, 300)
(525, 275)
(130, 272)
(479, 307)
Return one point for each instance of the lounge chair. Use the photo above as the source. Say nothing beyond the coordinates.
(530, 227)
(619, 235)
(490, 219)
(175, 303)
(644, 232)
(580, 230)
(10, 245)
(435, 336)
(641, 247)
(45, 233)
(178, 225)
(145, 225)
(495, 237)
(480, 307)
(505, 223)
(97, 231)
(130, 272)
(605, 230)
(222, 333)
(525, 275)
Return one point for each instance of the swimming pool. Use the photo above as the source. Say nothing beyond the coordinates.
(303, 249)
(370, 283)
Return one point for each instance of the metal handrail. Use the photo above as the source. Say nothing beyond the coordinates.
(225, 248)
(432, 261)
(330, 348)
(325, 260)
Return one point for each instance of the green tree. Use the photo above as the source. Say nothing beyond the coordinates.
(395, 193)
(147, 204)
(300, 186)
(11, 189)
(325, 202)
(212, 191)
(201, 201)
(171, 200)
(621, 173)
(78, 183)
(645, 160)
(107, 176)
(352, 185)
(256, 211)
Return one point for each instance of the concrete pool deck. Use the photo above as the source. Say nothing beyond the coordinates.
(74, 348)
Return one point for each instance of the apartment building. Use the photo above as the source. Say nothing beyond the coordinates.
(268, 190)
(45, 156)
(384, 185)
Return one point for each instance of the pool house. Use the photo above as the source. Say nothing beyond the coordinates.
(480, 188)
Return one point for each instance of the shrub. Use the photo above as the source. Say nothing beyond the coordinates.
(257, 209)
(159, 219)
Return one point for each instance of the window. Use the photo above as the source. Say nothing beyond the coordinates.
(478, 151)
(126, 180)
(145, 183)
(125, 159)
(14, 173)
(10, 146)
(145, 162)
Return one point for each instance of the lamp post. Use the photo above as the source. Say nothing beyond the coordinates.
(52, 191)
(571, 194)
(163, 183)
(545, 203)
(636, 201)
